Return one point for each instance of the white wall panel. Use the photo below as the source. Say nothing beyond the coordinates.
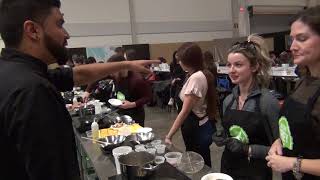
(95, 41)
(278, 2)
(181, 10)
(107, 22)
(96, 11)
(182, 37)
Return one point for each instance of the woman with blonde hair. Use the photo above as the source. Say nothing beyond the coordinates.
(250, 112)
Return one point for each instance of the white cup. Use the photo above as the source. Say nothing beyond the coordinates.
(116, 152)
(159, 159)
(152, 151)
(161, 148)
(173, 158)
(156, 142)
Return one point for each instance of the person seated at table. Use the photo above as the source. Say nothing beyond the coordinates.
(136, 90)
(178, 76)
(197, 103)
(251, 109)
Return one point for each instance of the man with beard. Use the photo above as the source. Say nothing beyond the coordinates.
(36, 134)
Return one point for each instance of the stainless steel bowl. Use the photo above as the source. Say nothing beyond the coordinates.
(112, 141)
(143, 137)
(126, 119)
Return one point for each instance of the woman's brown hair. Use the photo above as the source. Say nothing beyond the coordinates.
(190, 55)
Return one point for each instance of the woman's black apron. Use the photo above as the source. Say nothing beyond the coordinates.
(239, 166)
(306, 140)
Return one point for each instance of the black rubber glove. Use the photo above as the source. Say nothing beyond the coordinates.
(220, 138)
(236, 146)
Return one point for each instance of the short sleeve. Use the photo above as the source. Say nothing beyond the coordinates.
(196, 85)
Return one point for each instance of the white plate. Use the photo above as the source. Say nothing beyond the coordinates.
(115, 102)
(144, 130)
(215, 176)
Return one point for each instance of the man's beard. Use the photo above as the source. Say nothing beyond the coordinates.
(59, 52)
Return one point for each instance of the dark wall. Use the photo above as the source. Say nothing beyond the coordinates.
(142, 50)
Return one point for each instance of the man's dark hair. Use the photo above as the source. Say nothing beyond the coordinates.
(13, 14)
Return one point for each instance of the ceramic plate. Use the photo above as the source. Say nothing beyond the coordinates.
(115, 102)
(216, 176)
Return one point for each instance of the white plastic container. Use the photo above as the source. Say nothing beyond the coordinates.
(97, 107)
(173, 158)
(161, 148)
(152, 151)
(95, 130)
(116, 152)
(159, 159)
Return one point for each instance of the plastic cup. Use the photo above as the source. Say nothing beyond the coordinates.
(116, 152)
(161, 148)
(173, 158)
(152, 151)
(156, 142)
(159, 159)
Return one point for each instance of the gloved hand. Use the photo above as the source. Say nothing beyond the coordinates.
(220, 138)
(236, 146)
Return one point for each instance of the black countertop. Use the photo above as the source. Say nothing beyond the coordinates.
(105, 168)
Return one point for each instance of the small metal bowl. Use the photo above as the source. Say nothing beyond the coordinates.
(112, 142)
(126, 119)
(144, 137)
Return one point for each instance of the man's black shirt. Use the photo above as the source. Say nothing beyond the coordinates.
(36, 134)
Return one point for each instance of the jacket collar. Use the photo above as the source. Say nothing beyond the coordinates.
(36, 64)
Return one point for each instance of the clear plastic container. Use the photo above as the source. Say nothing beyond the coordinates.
(152, 151)
(173, 158)
(156, 142)
(191, 162)
(161, 148)
(159, 159)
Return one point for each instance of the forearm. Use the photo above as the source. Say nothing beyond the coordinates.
(90, 73)
(310, 166)
(177, 124)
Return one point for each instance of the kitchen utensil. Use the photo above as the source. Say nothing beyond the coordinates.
(126, 119)
(112, 141)
(120, 151)
(142, 137)
(97, 141)
(137, 165)
(144, 130)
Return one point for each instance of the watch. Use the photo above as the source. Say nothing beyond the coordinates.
(296, 168)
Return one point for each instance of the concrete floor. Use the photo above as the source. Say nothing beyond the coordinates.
(161, 120)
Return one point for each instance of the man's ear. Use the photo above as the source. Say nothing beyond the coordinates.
(31, 30)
